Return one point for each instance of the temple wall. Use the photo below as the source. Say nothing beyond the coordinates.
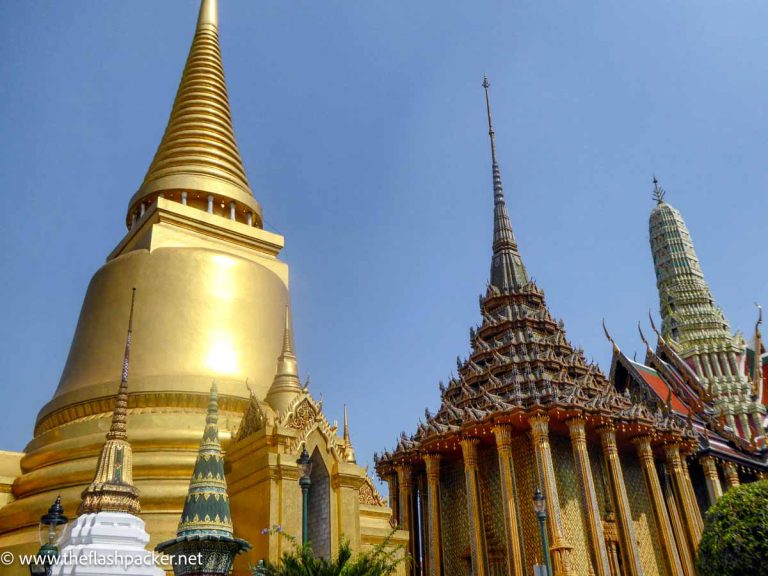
(649, 544)
(453, 519)
(570, 502)
(375, 529)
(10, 469)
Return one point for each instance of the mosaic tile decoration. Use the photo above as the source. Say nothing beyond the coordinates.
(526, 477)
(570, 503)
(651, 554)
(493, 509)
(454, 524)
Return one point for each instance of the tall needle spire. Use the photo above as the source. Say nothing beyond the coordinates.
(120, 416)
(507, 269)
(112, 488)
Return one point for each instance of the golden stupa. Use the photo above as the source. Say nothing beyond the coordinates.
(212, 301)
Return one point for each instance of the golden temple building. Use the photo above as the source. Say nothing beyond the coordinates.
(212, 304)
(526, 415)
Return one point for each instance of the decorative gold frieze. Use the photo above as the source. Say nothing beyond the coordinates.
(369, 495)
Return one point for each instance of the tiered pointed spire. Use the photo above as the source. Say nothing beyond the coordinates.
(112, 488)
(507, 269)
(349, 451)
(206, 523)
(198, 152)
(520, 355)
(286, 385)
(206, 509)
(691, 320)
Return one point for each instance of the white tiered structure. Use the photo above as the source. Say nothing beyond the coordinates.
(106, 544)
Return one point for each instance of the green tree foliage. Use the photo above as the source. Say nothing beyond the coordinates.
(735, 538)
(381, 560)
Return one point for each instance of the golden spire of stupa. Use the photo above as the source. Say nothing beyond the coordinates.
(349, 451)
(286, 385)
(112, 488)
(198, 153)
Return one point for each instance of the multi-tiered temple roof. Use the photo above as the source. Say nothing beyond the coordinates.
(520, 359)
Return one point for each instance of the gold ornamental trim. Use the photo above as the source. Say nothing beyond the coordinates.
(138, 403)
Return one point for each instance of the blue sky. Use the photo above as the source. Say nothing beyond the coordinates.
(362, 128)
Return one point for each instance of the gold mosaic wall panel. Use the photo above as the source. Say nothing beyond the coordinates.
(647, 535)
(527, 480)
(598, 475)
(493, 511)
(570, 502)
(453, 517)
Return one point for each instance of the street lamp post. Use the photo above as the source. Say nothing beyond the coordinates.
(51, 526)
(540, 506)
(305, 470)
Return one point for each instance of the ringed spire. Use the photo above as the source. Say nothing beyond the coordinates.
(198, 158)
(112, 488)
(507, 268)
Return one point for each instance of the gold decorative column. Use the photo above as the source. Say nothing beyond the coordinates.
(621, 501)
(653, 487)
(689, 510)
(689, 487)
(394, 496)
(731, 474)
(477, 544)
(714, 489)
(591, 510)
(405, 484)
(434, 541)
(560, 548)
(421, 505)
(678, 528)
(512, 529)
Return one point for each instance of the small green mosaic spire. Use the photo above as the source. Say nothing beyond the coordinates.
(691, 320)
(206, 509)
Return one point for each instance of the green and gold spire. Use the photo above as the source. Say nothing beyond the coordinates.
(507, 269)
(112, 488)
(691, 320)
(206, 509)
(690, 317)
(198, 153)
(205, 529)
